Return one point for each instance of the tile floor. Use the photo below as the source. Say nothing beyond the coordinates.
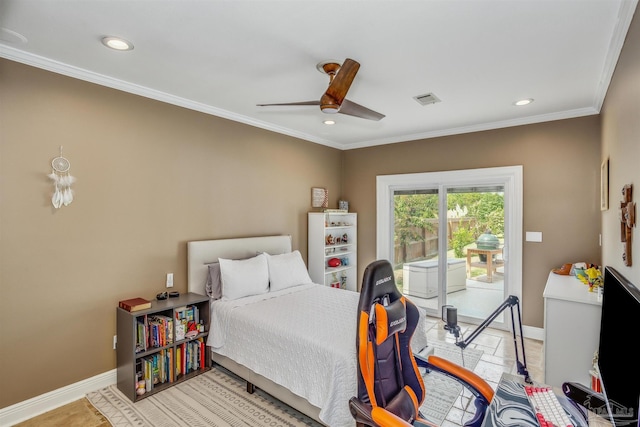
(498, 357)
(478, 299)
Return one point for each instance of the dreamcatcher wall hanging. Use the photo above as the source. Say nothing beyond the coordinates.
(62, 180)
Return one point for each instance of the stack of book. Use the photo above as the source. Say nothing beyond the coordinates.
(187, 318)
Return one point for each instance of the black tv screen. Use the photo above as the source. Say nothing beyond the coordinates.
(618, 357)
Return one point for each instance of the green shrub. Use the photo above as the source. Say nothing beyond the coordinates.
(461, 238)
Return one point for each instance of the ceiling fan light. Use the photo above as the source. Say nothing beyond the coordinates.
(329, 109)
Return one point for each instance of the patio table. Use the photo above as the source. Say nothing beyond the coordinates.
(490, 265)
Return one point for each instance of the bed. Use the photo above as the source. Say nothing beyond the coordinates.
(296, 342)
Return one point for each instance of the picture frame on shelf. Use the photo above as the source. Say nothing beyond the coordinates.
(604, 185)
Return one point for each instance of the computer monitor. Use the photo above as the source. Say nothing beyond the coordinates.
(618, 359)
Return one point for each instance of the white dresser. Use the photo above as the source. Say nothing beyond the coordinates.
(571, 330)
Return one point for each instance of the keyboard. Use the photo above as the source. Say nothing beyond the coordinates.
(547, 407)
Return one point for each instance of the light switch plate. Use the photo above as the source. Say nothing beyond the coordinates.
(169, 280)
(533, 236)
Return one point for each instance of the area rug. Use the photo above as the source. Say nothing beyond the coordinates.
(442, 392)
(219, 398)
(216, 398)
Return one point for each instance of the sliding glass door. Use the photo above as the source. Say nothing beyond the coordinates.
(450, 237)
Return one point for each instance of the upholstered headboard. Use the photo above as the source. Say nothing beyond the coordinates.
(203, 252)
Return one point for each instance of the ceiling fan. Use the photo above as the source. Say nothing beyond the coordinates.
(333, 100)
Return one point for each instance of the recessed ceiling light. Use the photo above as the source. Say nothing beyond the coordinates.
(117, 43)
(9, 36)
(329, 122)
(523, 102)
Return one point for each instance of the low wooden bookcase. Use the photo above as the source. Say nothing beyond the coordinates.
(152, 346)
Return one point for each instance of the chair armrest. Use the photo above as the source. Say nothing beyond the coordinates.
(478, 386)
(382, 417)
(360, 411)
(365, 415)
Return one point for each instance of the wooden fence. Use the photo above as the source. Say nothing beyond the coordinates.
(426, 246)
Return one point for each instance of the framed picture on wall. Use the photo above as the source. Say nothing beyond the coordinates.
(604, 185)
(319, 197)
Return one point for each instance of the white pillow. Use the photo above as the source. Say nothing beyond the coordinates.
(287, 270)
(214, 281)
(242, 278)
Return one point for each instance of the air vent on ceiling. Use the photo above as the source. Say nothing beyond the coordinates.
(426, 99)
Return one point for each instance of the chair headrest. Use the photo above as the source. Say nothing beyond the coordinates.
(389, 319)
(377, 282)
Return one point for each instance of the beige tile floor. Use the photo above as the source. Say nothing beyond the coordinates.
(498, 357)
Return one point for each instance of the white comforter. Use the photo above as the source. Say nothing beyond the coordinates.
(303, 338)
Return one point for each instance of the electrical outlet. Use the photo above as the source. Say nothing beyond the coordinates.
(169, 280)
(115, 341)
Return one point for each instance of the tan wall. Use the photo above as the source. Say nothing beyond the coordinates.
(151, 176)
(561, 163)
(621, 145)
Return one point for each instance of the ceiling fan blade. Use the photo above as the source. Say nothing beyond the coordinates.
(352, 109)
(291, 103)
(341, 83)
(333, 100)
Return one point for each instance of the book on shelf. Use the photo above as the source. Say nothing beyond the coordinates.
(142, 340)
(134, 304)
(186, 316)
(160, 330)
(170, 366)
(180, 331)
(148, 370)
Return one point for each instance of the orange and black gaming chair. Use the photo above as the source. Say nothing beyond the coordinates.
(390, 387)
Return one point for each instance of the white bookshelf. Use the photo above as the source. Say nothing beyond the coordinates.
(333, 235)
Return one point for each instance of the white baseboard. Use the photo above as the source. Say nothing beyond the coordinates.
(533, 332)
(46, 402)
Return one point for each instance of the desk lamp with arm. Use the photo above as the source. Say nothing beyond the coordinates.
(450, 316)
